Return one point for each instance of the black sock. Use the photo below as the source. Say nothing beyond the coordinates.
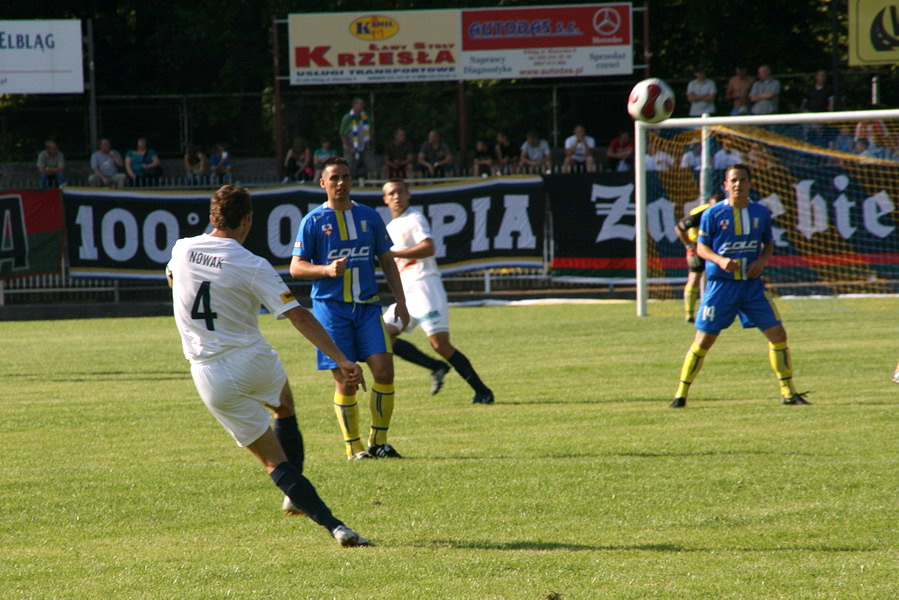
(303, 495)
(408, 351)
(463, 367)
(288, 433)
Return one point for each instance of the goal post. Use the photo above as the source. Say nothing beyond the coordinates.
(834, 214)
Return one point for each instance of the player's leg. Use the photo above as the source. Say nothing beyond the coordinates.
(287, 429)
(381, 403)
(692, 288)
(701, 345)
(406, 350)
(440, 341)
(346, 407)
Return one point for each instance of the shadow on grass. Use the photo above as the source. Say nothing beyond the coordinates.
(86, 376)
(556, 546)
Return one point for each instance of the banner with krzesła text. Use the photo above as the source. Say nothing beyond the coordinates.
(451, 45)
(131, 234)
(41, 57)
(31, 234)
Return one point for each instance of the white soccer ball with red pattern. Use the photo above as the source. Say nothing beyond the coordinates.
(651, 100)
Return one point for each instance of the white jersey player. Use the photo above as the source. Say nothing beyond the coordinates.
(217, 288)
(426, 300)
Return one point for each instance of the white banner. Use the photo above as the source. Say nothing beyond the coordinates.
(41, 57)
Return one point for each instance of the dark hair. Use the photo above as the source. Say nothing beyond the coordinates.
(228, 206)
(739, 166)
(335, 160)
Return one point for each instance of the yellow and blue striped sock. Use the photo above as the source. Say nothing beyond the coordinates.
(381, 404)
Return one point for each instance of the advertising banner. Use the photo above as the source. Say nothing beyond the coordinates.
(441, 45)
(31, 233)
(873, 32)
(41, 57)
(130, 234)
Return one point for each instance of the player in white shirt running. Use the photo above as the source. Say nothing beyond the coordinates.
(217, 288)
(413, 250)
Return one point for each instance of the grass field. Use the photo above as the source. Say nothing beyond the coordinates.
(578, 483)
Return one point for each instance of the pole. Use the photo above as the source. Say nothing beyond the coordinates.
(640, 217)
(463, 125)
(276, 65)
(92, 83)
(646, 52)
(835, 55)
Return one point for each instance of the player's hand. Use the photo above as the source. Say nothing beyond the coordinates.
(730, 265)
(402, 314)
(336, 268)
(352, 374)
(755, 269)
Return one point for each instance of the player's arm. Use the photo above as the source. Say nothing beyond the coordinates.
(681, 229)
(306, 323)
(423, 249)
(755, 268)
(392, 275)
(706, 253)
(302, 268)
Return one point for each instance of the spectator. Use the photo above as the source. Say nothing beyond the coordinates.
(620, 152)
(759, 158)
(220, 166)
(482, 165)
(51, 165)
(737, 91)
(320, 156)
(843, 142)
(355, 132)
(656, 158)
(701, 93)
(434, 157)
(398, 156)
(142, 164)
(298, 162)
(764, 93)
(874, 131)
(105, 165)
(536, 156)
(691, 158)
(579, 150)
(727, 156)
(818, 97)
(865, 150)
(506, 156)
(195, 163)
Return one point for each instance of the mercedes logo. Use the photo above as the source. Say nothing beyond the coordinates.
(606, 21)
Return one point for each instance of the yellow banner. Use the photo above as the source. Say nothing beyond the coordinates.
(873, 32)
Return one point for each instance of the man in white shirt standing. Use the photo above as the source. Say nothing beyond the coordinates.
(217, 288)
(701, 93)
(413, 250)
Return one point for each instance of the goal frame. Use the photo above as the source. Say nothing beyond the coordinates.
(703, 123)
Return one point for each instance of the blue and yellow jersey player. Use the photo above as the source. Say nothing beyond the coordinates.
(735, 241)
(336, 247)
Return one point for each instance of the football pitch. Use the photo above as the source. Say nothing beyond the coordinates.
(579, 483)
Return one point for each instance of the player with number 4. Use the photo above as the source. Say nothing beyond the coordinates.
(736, 242)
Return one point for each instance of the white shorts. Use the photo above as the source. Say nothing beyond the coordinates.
(237, 387)
(426, 301)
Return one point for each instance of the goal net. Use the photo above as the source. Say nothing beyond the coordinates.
(829, 179)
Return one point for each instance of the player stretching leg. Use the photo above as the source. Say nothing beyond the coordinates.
(735, 241)
(217, 287)
(336, 248)
(425, 296)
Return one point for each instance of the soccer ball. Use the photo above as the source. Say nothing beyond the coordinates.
(651, 100)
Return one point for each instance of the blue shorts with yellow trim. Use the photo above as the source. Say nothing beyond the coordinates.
(357, 329)
(724, 299)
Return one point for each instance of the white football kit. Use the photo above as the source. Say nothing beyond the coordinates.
(425, 296)
(217, 289)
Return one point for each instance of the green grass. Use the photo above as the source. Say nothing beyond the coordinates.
(115, 482)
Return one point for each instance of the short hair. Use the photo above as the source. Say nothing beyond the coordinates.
(335, 160)
(739, 166)
(228, 206)
(398, 181)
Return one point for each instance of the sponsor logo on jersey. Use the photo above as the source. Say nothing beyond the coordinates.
(298, 244)
(360, 252)
(725, 225)
(327, 229)
(206, 260)
(287, 297)
(738, 246)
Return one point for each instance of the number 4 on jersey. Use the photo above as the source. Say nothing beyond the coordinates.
(708, 313)
(204, 298)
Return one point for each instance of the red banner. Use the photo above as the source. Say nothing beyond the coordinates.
(31, 232)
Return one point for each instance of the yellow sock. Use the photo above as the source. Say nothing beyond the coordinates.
(347, 410)
(691, 298)
(779, 356)
(692, 365)
(381, 404)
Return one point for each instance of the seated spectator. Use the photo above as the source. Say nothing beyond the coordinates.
(142, 164)
(220, 166)
(656, 158)
(398, 156)
(863, 149)
(320, 156)
(579, 150)
(195, 165)
(434, 157)
(620, 152)
(51, 166)
(691, 158)
(105, 165)
(506, 155)
(874, 131)
(844, 142)
(727, 156)
(759, 158)
(298, 162)
(482, 165)
(536, 156)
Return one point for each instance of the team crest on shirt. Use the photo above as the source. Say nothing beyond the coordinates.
(725, 225)
(364, 226)
(298, 244)
(327, 229)
(287, 297)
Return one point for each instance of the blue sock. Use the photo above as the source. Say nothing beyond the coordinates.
(288, 433)
(303, 495)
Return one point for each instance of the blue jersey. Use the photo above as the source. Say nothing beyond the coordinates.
(738, 234)
(359, 234)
